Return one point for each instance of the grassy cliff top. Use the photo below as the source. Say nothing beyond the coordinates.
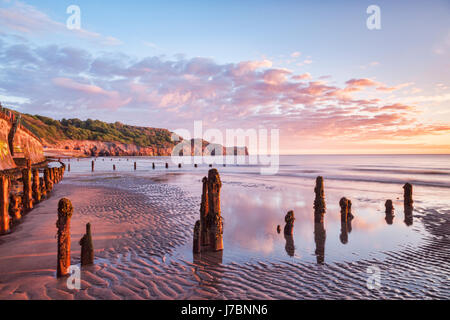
(53, 131)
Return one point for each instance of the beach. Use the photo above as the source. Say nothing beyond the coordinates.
(142, 226)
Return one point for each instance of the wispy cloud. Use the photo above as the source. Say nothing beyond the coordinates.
(26, 19)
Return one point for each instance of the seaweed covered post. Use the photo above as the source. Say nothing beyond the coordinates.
(14, 207)
(319, 201)
(204, 213)
(4, 204)
(27, 199)
(215, 220)
(197, 246)
(36, 186)
(65, 211)
(87, 247)
(289, 227)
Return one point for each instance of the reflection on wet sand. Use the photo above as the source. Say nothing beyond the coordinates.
(290, 246)
(346, 228)
(209, 263)
(409, 215)
(320, 237)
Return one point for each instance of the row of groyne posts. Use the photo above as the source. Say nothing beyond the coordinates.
(14, 205)
(35, 189)
(135, 165)
(208, 231)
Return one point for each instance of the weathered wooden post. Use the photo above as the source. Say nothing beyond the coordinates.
(389, 212)
(14, 207)
(215, 219)
(179, 166)
(289, 227)
(319, 201)
(135, 166)
(36, 186)
(195, 166)
(153, 166)
(87, 247)
(43, 188)
(4, 204)
(69, 167)
(408, 195)
(93, 166)
(48, 180)
(204, 214)
(343, 203)
(389, 207)
(167, 165)
(114, 167)
(65, 211)
(197, 246)
(27, 199)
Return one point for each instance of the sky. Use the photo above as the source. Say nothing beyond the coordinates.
(311, 69)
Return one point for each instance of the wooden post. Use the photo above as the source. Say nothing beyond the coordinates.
(87, 247)
(408, 192)
(204, 214)
(43, 188)
(167, 165)
(27, 199)
(36, 186)
(65, 211)
(14, 207)
(92, 166)
(153, 166)
(48, 180)
(135, 166)
(289, 219)
(319, 201)
(214, 216)
(114, 167)
(69, 167)
(4, 204)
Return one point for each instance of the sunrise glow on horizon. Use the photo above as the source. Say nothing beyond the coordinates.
(320, 76)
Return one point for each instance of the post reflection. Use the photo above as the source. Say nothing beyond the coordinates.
(346, 228)
(319, 238)
(409, 215)
(290, 246)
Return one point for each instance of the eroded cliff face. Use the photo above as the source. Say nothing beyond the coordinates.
(27, 146)
(113, 149)
(6, 159)
(104, 149)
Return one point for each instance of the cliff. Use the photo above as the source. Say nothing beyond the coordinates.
(74, 137)
(17, 143)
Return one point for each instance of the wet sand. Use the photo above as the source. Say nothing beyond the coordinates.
(142, 231)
